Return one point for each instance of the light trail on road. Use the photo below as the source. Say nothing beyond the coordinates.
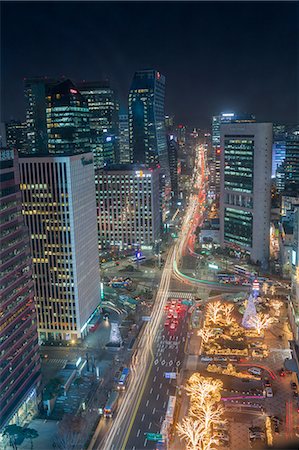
(143, 359)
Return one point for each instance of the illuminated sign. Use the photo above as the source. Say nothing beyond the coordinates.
(73, 91)
(228, 115)
(108, 139)
(139, 173)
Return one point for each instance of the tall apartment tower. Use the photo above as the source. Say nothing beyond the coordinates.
(124, 140)
(129, 209)
(59, 206)
(103, 106)
(147, 119)
(19, 362)
(217, 122)
(245, 196)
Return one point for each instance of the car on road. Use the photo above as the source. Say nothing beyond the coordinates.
(266, 382)
(167, 323)
(293, 385)
(222, 435)
(268, 392)
(220, 358)
(172, 326)
(206, 359)
(254, 371)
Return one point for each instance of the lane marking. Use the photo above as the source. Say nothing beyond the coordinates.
(155, 378)
(158, 395)
(150, 424)
(138, 432)
(142, 418)
(154, 410)
(164, 404)
(138, 402)
(145, 442)
(151, 391)
(118, 431)
(160, 385)
(147, 402)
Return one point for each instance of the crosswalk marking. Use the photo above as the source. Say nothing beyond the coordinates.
(59, 361)
(188, 295)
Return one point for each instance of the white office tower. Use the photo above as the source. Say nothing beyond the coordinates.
(129, 207)
(59, 206)
(245, 195)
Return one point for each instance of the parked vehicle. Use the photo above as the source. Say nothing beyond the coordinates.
(206, 359)
(268, 392)
(254, 371)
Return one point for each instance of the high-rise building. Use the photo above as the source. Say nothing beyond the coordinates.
(20, 361)
(59, 206)
(124, 140)
(67, 120)
(217, 121)
(279, 147)
(294, 303)
(129, 207)
(36, 90)
(246, 188)
(172, 148)
(16, 136)
(104, 121)
(292, 162)
(147, 119)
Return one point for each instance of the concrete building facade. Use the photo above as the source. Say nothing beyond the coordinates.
(245, 180)
(59, 206)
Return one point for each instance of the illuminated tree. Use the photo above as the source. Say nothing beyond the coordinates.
(261, 321)
(206, 334)
(265, 287)
(213, 311)
(195, 435)
(276, 305)
(204, 389)
(210, 414)
(272, 289)
(227, 310)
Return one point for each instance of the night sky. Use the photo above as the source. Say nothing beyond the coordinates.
(215, 56)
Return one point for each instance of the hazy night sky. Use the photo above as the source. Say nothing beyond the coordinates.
(215, 56)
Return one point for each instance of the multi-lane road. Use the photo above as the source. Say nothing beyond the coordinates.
(143, 405)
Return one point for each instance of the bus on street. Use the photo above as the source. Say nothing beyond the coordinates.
(123, 379)
(111, 405)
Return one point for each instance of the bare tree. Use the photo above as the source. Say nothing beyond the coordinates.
(71, 433)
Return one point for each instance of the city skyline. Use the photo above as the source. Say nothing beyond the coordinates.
(215, 57)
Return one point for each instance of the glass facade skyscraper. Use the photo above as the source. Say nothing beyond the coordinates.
(147, 119)
(291, 186)
(67, 117)
(217, 121)
(124, 141)
(104, 122)
(245, 188)
(20, 362)
(36, 90)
